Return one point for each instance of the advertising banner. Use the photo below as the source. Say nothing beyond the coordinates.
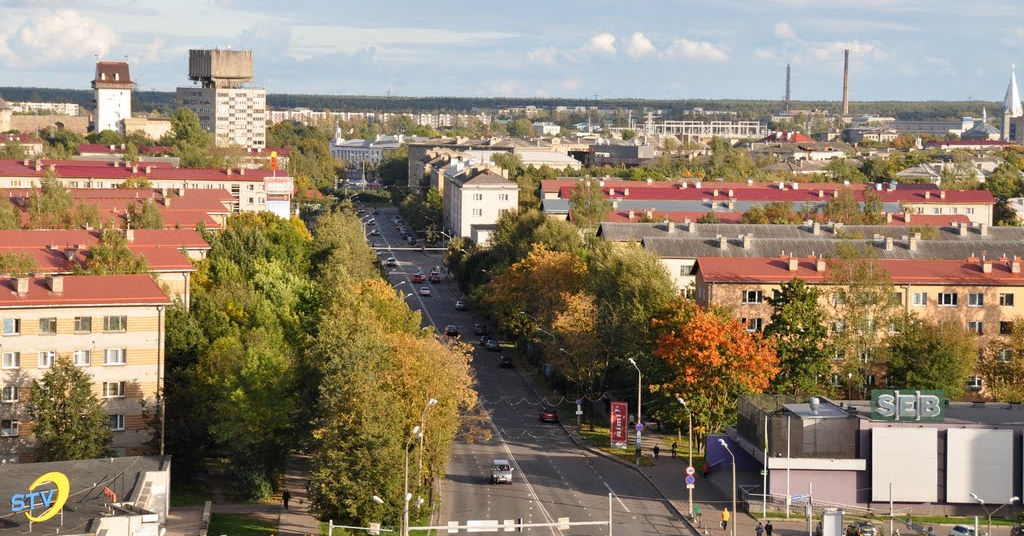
(908, 405)
(278, 185)
(619, 424)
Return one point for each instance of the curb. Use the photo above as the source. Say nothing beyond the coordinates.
(616, 459)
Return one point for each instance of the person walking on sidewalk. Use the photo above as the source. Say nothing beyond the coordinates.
(697, 518)
(759, 530)
(674, 449)
(656, 451)
(725, 519)
(768, 528)
(286, 497)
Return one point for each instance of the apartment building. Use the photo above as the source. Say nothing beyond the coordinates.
(111, 325)
(233, 112)
(474, 199)
(985, 295)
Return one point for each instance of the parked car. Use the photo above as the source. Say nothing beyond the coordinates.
(861, 528)
(451, 330)
(425, 291)
(460, 305)
(484, 338)
(961, 530)
(504, 361)
(411, 239)
(391, 262)
(492, 344)
(548, 414)
(478, 329)
(1017, 530)
(418, 277)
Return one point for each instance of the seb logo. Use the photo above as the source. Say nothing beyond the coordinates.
(895, 405)
(49, 491)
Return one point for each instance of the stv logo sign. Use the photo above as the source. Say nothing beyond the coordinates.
(51, 499)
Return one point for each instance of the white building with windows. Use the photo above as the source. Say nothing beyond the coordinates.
(113, 87)
(474, 200)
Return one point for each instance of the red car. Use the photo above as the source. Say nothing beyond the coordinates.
(418, 277)
(548, 414)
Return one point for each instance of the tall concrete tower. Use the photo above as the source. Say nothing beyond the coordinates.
(113, 85)
(233, 112)
(846, 82)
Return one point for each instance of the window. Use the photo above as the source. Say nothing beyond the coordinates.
(975, 299)
(975, 327)
(115, 323)
(776, 295)
(113, 356)
(969, 210)
(752, 297)
(838, 326)
(478, 197)
(865, 356)
(47, 358)
(113, 389)
(116, 422)
(478, 212)
(870, 380)
(920, 299)
(1006, 299)
(10, 394)
(839, 355)
(897, 298)
(1005, 328)
(1006, 355)
(502, 197)
(947, 299)
(838, 298)
(974, 383)
(12, 360)
(12, 326)
(83, 358)
(48, 326)
(936, 210)
(753, 324)
(83, 324)
(837, 380)
(8, 428)
(893, 328)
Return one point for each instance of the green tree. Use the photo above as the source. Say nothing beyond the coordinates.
(186, 131)
(520, 128)
(50, 207)
(710, 217)
(394, 167)
(17, 263)
(145, 215)
(1001, 366)
(135, 181)
(588, 204)
(131, 153)
(86, 215)
(840, 170)
(12, 151)
(10, 216)
(106, 137)
(931, 355)
(801, 339)
(111, 255)
(754, 214)
(69, 423)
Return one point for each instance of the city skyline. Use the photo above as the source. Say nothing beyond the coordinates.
(900, 49)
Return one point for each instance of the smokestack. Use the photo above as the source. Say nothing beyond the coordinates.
(846, 82)
(787, 87)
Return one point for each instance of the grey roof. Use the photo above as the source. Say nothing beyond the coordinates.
(635, 232)
(87, 479)
(692, 247)
(991, 413)
(487, 178)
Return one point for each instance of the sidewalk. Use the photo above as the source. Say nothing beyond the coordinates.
(296, 520)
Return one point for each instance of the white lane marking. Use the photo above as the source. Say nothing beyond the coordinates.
(526, 481)
(415, 291)
(616, 495)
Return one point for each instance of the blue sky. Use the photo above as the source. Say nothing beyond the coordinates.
(901, 49)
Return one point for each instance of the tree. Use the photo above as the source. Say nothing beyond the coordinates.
(10, 216)
(710, 217)
(588, 204)
(145, 215)
(520, 128)
(931, 355)
(17, 263)
(801, 339)
(535, 285)
(135, 181)
(105, 137)
(86, 215)
(186, 131)
(754, 214)
(840, 170)
(111, 255)
(131, 153)
(12, 151)
(1001, 366)
(69, 423)
(709, 358)
(50, 207)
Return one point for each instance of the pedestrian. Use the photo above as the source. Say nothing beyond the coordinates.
(638, 454)
(725, 519)
(674, 449)
(707, 469)
(768, 528)
(286, 497)
(696, 515)
(759, 530)
(656, 451)
(896, 532)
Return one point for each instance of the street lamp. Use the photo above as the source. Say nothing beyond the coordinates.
(400, 283)
(726, 445)
(689, 441)
(639, 406)
(1008, 502)
(579, 389)
(406, 496)
(419, 454)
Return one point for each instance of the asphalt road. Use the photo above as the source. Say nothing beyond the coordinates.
(552, 477)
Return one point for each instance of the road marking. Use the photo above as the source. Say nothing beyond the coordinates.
(616, 495)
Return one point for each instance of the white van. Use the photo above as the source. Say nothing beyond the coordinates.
(501, 472)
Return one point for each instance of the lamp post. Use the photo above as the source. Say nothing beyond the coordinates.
(419, 454)
(689, 442)
(406, 496)
(849, 385)
(579, 391)
(639, 406)
(726, 445)
(989, 513)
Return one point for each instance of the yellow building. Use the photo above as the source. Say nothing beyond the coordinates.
(111, 325)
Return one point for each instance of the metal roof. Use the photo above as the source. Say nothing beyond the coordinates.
(636, 232)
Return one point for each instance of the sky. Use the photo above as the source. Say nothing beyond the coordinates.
(664, 49)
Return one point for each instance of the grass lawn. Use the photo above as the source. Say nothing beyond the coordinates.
(188, 494)
(239, 525)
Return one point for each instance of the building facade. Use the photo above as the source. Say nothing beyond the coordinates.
(474, 200)
(227, 108)
(112, 326)
(113, 86)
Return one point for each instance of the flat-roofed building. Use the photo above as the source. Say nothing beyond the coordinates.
(110, 325)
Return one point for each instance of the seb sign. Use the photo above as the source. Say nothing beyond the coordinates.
(907, 405)
(619, 422)
(49, 492)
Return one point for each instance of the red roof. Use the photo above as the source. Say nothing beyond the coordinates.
(79, 169)
(85, 290)
(147, 150)
(622, 216)
(930, 220)
(166, 238)
(901, 271)
(785, 137)
(19, 138)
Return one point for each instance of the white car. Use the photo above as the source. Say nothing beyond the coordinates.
(424, 291)
(391, 262)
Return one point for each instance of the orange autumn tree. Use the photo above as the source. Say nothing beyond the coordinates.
(709, 359)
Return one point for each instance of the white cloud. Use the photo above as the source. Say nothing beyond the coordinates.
(858, 51)
(784, 30)
(639, 46)
(695, 50)
(544, 55)
(765, 54)
(571, 84)
(603, 43)
(63, 35)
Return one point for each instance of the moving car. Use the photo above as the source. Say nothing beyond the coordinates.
(451, 330)
(492, 344)
(418, 277)
(392, 262)
(460, 305)
(961, 530)
(504, 361)
(424, 291)
(435, 277)
(501, 472)
(548, 414)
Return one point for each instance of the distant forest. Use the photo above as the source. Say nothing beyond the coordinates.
(144, 101)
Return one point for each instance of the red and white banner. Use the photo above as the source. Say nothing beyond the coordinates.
(278, 185)
(619, 424)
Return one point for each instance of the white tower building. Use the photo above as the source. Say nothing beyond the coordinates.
(113, 87)
(1011, 109)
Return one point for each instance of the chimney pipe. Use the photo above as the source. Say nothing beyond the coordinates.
(21, 285)
(723, 242)
(794, 263)
(746, 241)
(56, 283)
(129, 235)
(888, 243)
(670, 227)
(846, 82)
(819, 265)
(912, 243)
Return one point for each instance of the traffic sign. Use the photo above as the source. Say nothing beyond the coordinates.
(690, 479)
(579, 401)
(579, 410)
(689, 486)
(797, 498)
(764, 473)
(639, 427)
(690, 470)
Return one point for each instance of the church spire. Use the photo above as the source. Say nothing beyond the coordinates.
(1011, 104)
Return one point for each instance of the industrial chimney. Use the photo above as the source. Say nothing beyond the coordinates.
(787, 87)
(846, 82)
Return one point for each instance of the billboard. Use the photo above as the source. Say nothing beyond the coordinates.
(619, 426)
(977, 462)
(906, 461)
(278, 185)
(907, 405)
(281, 209)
